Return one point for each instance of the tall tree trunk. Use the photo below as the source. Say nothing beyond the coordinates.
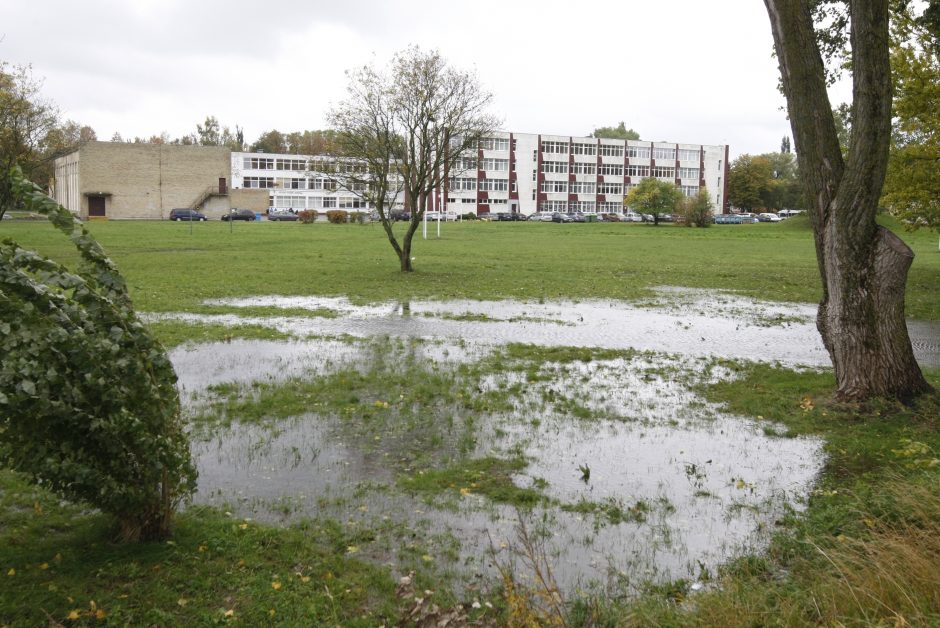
(863, 266)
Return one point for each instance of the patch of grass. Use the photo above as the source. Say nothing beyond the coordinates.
(59, 562)
(604, 260)
(517, 352)
(488, 476)
(174, 333)
(613, 511)
(260, 311)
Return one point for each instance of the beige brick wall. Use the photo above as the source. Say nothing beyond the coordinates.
(148, 180)
(255, 200)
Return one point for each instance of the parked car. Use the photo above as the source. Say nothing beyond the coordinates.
(768, 217)
(280, 216)
(726, 219)
(747, 218)
(184, 213)
(612, 218)
(399, 214)
(239, 214)
(666, 218)
(576, 217)
(545, 217)
(518, 216)
(633, 217)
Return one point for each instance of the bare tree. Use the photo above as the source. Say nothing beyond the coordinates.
(410, 125)
(863, 266)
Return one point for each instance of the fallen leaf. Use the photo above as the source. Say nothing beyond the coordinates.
(276, 585)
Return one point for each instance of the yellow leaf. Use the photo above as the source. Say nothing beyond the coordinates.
(100, 614)
(465, 491)
(73, 615)
(230, 612)
(182, 602)
(44, 566)
(275, 585)
(271, 613)
(305, 579)
(12, 572)
(203, 548)
(427, 558)
(352, 549)
(243, 526)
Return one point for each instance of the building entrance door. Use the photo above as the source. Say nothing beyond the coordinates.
(223, 187)
(96, 206)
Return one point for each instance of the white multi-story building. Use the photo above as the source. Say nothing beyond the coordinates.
(297, 182)
(511, 172)
(527, 173)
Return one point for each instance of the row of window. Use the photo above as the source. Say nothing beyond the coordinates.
(572, 206)
(485, 185)
(574, 187)
(617, 150)
(282, 201)
(302, 165)
(469, 164)
(616, 170)
(494, 143)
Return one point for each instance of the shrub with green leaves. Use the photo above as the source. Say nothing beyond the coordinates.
(88, 400)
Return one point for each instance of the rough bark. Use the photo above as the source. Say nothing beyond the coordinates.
(863, 266)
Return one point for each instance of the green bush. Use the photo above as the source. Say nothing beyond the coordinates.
(358, 217)
(337, 216)
(469, 216)
(88, 399)
(698, 210)
(307, 216)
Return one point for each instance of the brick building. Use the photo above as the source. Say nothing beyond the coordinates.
(146, 181)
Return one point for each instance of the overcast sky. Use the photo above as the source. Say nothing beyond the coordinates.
(675, 70)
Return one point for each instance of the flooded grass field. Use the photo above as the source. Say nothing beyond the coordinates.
(461, 436)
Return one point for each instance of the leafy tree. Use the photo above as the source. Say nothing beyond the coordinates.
(211, 133)
(31, 133)
(764, 181)
(298, 142)
(619, 132)
(272, 141)
(408, 127)
(912, 184)
(748, 180)
(698, 210)
(88, 401)
(863, 266)
(655, 197)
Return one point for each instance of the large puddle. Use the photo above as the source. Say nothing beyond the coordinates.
(688, 322)
(676, 486)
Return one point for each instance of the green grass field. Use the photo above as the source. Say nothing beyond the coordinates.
(865, 552)
(172, 267)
